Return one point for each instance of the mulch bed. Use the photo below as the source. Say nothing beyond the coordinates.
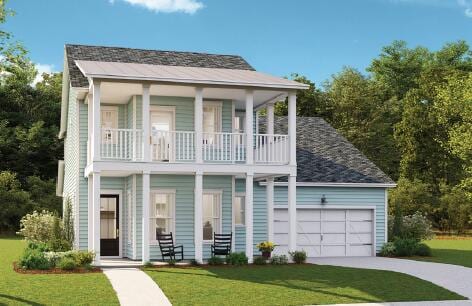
(55, 270)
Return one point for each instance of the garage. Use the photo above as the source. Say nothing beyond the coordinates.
(327, 232)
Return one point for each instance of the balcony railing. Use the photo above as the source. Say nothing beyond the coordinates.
(179, 146)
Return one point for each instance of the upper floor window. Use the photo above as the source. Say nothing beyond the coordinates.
(212, 121)
(109, 121)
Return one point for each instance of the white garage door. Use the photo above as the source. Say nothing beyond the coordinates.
(327, 232)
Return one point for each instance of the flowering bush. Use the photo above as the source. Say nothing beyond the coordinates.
(266, 246)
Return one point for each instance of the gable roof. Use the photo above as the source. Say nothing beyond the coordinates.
(325, 156)
(142, 56)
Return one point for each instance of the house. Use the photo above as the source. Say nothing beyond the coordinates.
(163, 141)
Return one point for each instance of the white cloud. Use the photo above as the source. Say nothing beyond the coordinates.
(467, 5)
(42, 68)
(167, 6)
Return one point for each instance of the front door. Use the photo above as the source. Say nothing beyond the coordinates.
(109, 225)
(162, 129)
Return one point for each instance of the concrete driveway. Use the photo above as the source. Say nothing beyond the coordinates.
(452, 277)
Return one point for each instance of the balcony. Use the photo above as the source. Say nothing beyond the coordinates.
(179, 147)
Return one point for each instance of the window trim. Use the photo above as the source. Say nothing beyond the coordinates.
(113, 109)
(163, 191)
(239, 194)
(218, 192)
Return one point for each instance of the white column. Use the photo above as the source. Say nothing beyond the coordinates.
(198, 121)
(96, 116)
(249, 217)
(96, 216)
(249, 127)
(292, 126)
(292, 213)
(270, 208)
(270, 118)
(146, 125)
(198, 215)
(90, 213)
(145, 221)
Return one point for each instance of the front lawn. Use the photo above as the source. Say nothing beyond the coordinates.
(452, 251)
(50, 289)
(291, 285)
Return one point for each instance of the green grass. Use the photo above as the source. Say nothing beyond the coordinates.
(291, 285)
(52, 289)
(451, 251)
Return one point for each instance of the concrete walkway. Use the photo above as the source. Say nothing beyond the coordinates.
(452, 277)
(135, 288)
(429, 303)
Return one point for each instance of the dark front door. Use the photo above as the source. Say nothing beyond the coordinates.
(109, 225)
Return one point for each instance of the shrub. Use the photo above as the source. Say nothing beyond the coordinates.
(83, 258)
(54, 258)
(423, 250)
(388, 249)
(279, 260)
(67, 263)
(237, 259)
(148, 264)
(38, 246)
(259, 260)
(37, 227)
(68, 221)
(405, 247)
(88, 267)
(417, 227)
(298, 257)
(215, 261)
(32, 259)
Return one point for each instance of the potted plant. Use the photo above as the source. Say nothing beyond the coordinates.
(266, 247)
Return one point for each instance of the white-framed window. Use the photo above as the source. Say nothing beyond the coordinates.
(129, 223)
(212, 121)
(239, 122)
(161, 213)
(239, 208)
(211, 213)
(109, 121)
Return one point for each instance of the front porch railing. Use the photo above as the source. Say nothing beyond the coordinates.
(179, 146)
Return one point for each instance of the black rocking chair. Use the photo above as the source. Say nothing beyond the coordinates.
(221, 244)
(168, 249)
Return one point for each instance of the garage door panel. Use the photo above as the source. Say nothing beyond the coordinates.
(281, 239)
(334, 238)
(333, 250)
(281, 250)
(360, 227)
(360, 238)
(281, 214)
(308, 239)
(360, 250)
(334, 227)
(309, 227)
(308, 215)
(334, 215)
(360, 214)
(311, 251)
(280, 227)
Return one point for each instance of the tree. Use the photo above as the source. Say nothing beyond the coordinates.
(14, 202)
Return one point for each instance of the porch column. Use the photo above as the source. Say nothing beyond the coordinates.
(145, 220)
(249, 127)
(96, 116)
(270, 208)
(292, 127)
(270, 118)
(292, 213)
(198, 120)
(90, 212)
(198, 215)
(249, 217)
(145, 123)
(96, 216)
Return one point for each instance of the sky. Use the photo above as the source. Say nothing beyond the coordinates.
(315, 38)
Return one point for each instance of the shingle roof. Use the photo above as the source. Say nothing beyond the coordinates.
(325, 156)
(141, 56)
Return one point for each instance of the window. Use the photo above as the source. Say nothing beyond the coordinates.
(211, 121)
(161, 213)
(239, 209)
(109, 121)
(129, 204)
(211, 214)
(239, 122)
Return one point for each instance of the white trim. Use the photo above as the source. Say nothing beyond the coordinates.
(164, 191)
(198, 215)
(129, 217)
(146, 186)
(249, 216)
(233, 195)
(218, 192)
(135, 228)
(386, 216)
(119, 193)
(310, 184)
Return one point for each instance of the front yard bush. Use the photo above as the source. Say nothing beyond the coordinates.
(67, 264)
(83, 258)
(34, 259)
(423, 250)
(237, 259)
(388, 249)
(215, 261)
(298, 257)
(405, 247)
(415, 226)
(259, 260)
(279, 260)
